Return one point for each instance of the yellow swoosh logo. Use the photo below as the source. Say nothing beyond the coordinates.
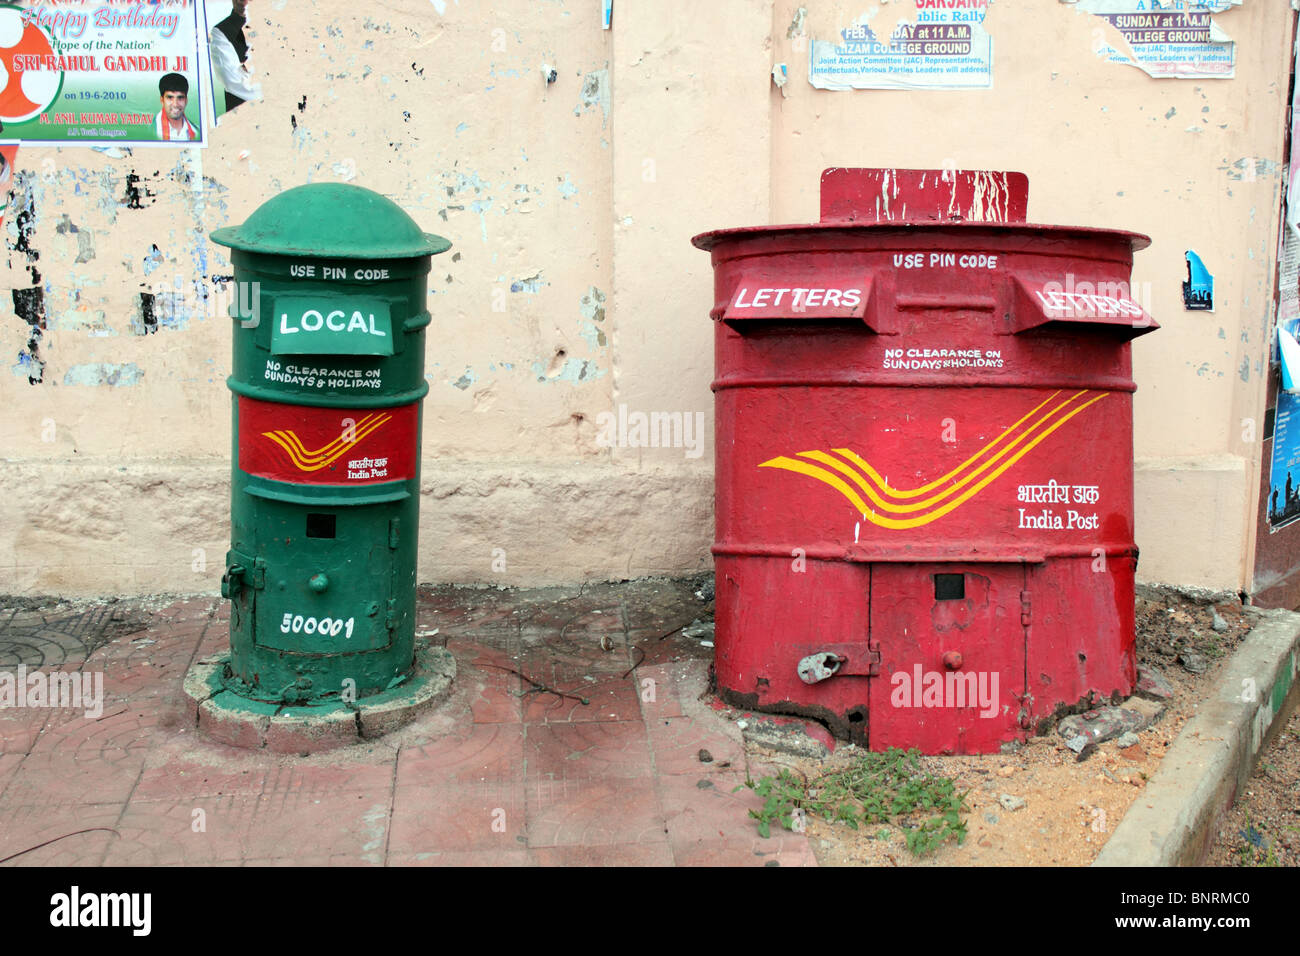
(307, 460)
(962, 483)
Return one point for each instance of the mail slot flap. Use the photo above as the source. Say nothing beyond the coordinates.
(1080, 305)
(764, 298)
(331, 325)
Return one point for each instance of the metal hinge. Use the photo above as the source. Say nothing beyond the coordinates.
(241, 572)
(1026, 609)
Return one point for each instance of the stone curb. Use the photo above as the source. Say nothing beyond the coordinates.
(1175, 820)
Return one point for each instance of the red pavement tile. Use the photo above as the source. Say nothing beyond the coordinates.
(27, 826)
(709, 824)
(489, 816)
(167, 646)
(777, 851)
(676, 744)
(20, 727)
(492, 692)
(196, 832)
(295, 827)
(582, 810)
(483, 753)
(8, 767)
(493, 858)
(610, 697)
(613, 748)
(211, 769)
(72, 778)
(284, 825)
(652, 854)
(79, 760)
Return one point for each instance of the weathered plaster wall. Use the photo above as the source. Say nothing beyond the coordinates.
(572, 288)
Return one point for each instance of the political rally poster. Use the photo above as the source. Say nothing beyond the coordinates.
(102, 73)
(944, 46)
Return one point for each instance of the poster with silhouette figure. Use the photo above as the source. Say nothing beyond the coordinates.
(1284, 479)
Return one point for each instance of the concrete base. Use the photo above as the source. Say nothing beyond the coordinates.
(230, 719)
(1174, 822)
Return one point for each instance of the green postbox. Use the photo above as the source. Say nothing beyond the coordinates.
(328, 376)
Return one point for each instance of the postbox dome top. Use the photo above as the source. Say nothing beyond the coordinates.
(332, 220)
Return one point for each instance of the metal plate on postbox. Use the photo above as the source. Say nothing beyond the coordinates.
(320, 325)
(829, 297)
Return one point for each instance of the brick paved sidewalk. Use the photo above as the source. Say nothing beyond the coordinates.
(492, 776)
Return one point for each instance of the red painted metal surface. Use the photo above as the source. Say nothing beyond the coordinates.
(924, 467)
(313, 445)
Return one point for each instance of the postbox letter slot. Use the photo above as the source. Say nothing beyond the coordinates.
(1078, 304)
(320, 525)
(949, 587)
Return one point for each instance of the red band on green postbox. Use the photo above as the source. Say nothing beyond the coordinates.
(327, 446)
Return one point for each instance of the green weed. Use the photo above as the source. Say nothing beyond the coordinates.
(887, 787)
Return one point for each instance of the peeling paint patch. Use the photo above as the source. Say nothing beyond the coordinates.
(573, 370)
(566, 187)
(592, 307)
(466, 380)
(595, 92)
(153, 260)
(157, 310)
(532, 284)
(135, 195)
(1251, 168)
(29, 305)
(104, 373)
(85, 239)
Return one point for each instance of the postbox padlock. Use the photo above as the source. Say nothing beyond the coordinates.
(818, 667)
(327, 381)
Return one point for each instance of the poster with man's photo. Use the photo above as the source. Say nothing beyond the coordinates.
(91, 73)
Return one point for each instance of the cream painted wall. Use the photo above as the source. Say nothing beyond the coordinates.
(583, 195)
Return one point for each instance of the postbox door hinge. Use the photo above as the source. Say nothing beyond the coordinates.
(1026, 609)
(394, 533)
(391, 616)
(873, 658)
(242, 571)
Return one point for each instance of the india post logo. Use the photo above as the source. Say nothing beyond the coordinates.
(894, 508)
(352, 434)
(325, 445)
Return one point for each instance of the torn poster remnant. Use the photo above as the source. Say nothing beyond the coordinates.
(1173, 38)
(947, 48)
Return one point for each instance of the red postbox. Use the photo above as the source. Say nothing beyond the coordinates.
(924, 491)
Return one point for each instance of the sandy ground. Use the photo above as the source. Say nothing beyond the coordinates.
(1071, 806)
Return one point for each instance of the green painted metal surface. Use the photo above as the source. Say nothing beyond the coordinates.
(327, 378)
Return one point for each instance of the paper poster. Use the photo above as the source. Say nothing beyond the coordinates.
(7, 156)
(1288, 257)
(232, 79)
(92, 73)
(1284, 494)
(1164, 38)
(945, 48)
